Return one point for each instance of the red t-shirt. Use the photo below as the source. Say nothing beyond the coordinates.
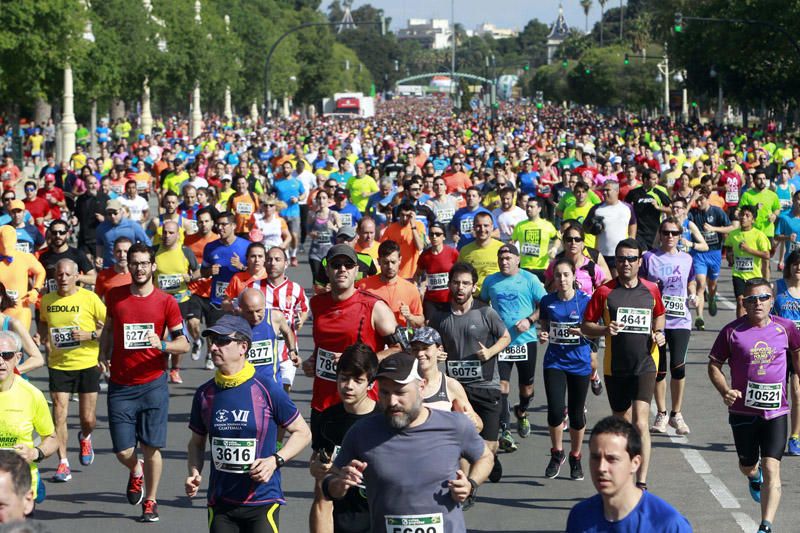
(437, 269)
(57, 195)
(38, 208)
(338, 325)
(133, 316)
(730, 187)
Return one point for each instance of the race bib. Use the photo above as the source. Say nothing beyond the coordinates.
(346, 218)
(785, 203)
(438, 281)
(674, 306)
(732, 197)
(170, 282)
(634, 320)
(324, 237)
(14, 295)
(445, 214)
(326, 364)
(62, 337)
(220, 288)
(142, 186)
(766, 396)
(517, 352)
(136, 335)
(530, 249)
(465, 371)
(190, 225)
(415, 523)
(559, 333)
(261, 353)
(23, 246)
(743, 264)
(243, 208)
(51, 285)
(711, 237)
(233, 455)
(465, 227)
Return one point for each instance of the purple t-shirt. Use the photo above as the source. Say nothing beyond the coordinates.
(672, 273)
(758, 358)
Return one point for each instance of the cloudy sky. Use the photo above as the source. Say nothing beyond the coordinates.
(503, 13)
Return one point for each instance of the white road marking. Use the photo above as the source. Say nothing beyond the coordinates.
(725, 303)
(723, 495)
(745, 522)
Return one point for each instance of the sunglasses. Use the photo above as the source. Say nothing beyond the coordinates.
(8, 356)
(59, 233)
(269, 205)
(670, 233)
(221, 340)
(753, 298)
(627, 258)
(573, 239)
(348, 265)
(30, 188)
(436, 234)
(9, 199)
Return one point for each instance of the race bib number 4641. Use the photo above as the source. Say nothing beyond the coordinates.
(634, 319)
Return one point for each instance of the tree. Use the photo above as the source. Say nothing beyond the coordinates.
(586, 5)
(602, 16)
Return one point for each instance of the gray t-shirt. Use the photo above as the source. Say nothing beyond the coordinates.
(461, 335)
(408, 470)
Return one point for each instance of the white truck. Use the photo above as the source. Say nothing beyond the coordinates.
(349, 105)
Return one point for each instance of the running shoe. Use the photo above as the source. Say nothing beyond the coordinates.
(73, 397)
(197, 347)
(712, 306)
(302, 249)
(209, 364)
(87, 450)
(149, 511)
(764, 528)
(523, 424)
(660, 425)
(506, 442)
(754, 484)
(700, 324)
(557, 458)
(175, 376)
(794, 446)
(678, 423)
(63, 474)
(575, 469)
(41, 492)
(135, 488)
(597, 386)
(497, 471)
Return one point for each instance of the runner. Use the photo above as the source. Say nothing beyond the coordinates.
(671, 270)
(567, 367)
(650, 202)
(433, 268)
(633, 327)
(617, 219)
(355, 375)
(473, 335)
(221, 260)
(620, 505)
(758, 347)
(117, 274)
(378, 457)
(515, 294)
(16, 270)
(57, 237)
(461, 223)
(748, 250)
(71, 318)
(409, 234)
(787, 305)
(138, 316)
(254, 274)
(768, 208)
(244, 492)
(113, 227)
(267, 323)
(199, 302)
(481, 253)
(508, 215)
(322, 225)
(537, 239)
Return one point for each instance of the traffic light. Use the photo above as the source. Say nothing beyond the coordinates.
(678, 22)
(587, 70)
(539, 99)
(527, 67)
(694, 104)
(627, 59)
(565, 63)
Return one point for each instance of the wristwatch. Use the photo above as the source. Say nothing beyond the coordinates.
(279, 461)
(40, 455)
(473, 491)
(94, 335)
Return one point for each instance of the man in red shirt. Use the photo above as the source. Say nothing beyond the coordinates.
(138, 316)
(54, 196)
(38, 207)
(435, 264)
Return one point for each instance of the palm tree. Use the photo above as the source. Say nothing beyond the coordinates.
(602, 12)
(586, 5)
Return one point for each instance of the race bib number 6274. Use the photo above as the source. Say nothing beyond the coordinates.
(136, 335)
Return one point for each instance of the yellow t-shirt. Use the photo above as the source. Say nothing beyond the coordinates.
(24, 411)
(483, 259)
(573, 212)
(746, 266)
(360, 190)
(63, 314)
(534, 238)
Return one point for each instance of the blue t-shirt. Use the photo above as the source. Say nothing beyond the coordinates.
(242, 425)
(217, 253)
(787, 224)
(28, 238)
(785, 305)
(103, 134)
(527, 182)
(263, 352)
(107, 235)
(651, 514)
(349, 214)
(564, 351)
(340, 177)
(286, 189)
(462, 223)
(514, 298)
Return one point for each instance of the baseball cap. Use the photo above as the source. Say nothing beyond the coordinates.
(426, 335)
(400, 367)
(508, 249)
(17, 204)
(347, 232)
(114, 205)
(50, 177)
(228, 325)
(341, 250)
(340, 193)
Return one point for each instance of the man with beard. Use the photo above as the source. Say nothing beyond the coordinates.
(138, 316)
(58, 249)
(377, 451)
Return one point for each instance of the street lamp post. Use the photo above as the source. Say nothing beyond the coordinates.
(68, 124)
(663, 70)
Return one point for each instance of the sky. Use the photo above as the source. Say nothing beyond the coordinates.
(512, 14)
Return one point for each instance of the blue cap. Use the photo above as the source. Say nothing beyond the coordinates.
(427, 335)
(228, 325)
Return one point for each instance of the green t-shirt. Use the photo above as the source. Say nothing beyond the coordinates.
(767, 203)
(533, 239)
(573, 212)
(569, 200)
(747, 266)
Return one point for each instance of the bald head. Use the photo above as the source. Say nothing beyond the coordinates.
(171, 230)
(252, 305)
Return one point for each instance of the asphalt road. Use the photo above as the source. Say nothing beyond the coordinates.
(697, 474)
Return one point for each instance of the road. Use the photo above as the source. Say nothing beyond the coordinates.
(698, 474)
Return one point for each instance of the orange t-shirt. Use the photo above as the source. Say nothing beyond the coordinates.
(409, 254)
(455, 181)
(239, 282)
(197, 243)
(108, 278)
(399, 291)
(243, 207)
(372, 251)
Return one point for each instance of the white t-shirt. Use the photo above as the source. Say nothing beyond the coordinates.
(308, 179)
(616, 219)
(137, 206)
(508, 219)
(197, 183)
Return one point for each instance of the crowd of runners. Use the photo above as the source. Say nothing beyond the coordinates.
(446, 251)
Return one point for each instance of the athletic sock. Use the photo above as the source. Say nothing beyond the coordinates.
(65, 461)
(504, 419)
(672, 414)
(524, 402)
